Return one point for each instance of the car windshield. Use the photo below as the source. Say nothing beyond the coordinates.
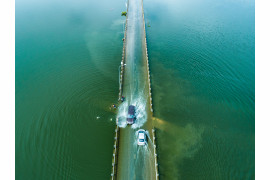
(141, 140)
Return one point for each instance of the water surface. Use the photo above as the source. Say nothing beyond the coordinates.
(202, 70)
(67, 58)
(202, 63)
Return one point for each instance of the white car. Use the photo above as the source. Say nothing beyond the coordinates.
(141, 137)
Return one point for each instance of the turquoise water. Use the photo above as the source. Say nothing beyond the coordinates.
(202, 63)
(202, 57)
(67, 58)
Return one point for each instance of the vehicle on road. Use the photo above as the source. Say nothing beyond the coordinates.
(141, 137)
(131, 114)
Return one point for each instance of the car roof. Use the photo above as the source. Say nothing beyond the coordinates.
(131, 109)
(141, 135)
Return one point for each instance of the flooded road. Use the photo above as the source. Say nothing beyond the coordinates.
(135, 162)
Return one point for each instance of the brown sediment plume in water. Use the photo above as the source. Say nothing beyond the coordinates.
(176, 143)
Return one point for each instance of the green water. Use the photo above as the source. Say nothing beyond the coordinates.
(67, 58)
(202, 62)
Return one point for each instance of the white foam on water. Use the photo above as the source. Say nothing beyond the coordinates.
(143, 161)
(141, 115)
(140, 112)
(145, 149)
(122, 115)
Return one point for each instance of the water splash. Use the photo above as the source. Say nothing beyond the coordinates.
(143, 161)
(121, 118)
(140, 108)
(141, 115)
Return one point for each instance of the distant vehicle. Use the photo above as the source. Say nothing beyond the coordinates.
(141, 137)
(131, 114)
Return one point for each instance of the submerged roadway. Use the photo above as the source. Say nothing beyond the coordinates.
(135, 162)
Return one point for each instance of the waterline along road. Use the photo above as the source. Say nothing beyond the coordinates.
(69, 56)
(134, 161)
